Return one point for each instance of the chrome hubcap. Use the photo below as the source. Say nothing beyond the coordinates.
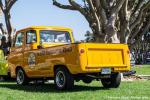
(20, 77)
(60, 79)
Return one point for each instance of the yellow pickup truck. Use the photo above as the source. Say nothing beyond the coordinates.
(41, 52)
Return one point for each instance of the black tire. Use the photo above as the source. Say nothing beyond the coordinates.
(112, 82)
(87, 80)
(63, 79)
(21, 77)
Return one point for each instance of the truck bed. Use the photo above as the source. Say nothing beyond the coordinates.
(99, 56)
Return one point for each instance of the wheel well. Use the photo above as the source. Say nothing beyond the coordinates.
(62, 66)
(18, 67)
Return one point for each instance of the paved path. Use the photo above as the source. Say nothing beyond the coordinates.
(145, 77)
(135, 77)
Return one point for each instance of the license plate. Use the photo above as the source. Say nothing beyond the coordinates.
(106, 71)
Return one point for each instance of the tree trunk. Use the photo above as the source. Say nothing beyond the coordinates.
(111, 32)
(8, 26)
(99, 39)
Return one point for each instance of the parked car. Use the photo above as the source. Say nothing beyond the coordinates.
(132, 60)
(50, 53)
(148, 58)
(3, 64)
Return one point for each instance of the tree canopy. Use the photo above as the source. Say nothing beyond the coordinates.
(117, 21)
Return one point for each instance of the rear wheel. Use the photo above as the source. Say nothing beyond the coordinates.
(21, 78)
(112, 82)
(63, 79)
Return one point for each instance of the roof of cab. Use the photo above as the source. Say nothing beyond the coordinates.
(47, 27)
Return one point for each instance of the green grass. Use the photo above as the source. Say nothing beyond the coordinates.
(94, 91)
(142, 70)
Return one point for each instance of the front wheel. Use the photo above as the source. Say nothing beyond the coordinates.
(112, 82)
(63, 79)
(21, 78)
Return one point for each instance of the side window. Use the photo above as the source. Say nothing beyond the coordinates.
(31, 37)
(19, 39)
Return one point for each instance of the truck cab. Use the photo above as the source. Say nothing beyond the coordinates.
(37, 36)
(35, 40)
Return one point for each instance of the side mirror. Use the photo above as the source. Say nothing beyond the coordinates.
(41, 45)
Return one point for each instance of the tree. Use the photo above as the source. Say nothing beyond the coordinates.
(141, 48)
(89, 37)
(6, 6)
(117, 21)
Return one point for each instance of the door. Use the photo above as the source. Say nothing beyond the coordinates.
(17, 50)
(35, 58)
(30, 55)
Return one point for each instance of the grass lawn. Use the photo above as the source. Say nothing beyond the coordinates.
(128, 91)
(144, 69)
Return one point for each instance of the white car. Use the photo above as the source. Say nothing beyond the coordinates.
(132, 60)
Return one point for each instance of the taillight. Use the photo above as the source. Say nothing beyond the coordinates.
(82, 50)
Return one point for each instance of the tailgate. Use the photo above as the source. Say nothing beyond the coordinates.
(106, 55)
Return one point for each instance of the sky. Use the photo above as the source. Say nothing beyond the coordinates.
(27, 13)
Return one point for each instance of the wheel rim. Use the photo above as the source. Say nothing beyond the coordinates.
(20, 77)
(60, 79)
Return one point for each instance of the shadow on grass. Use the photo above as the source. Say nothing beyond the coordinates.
(48, 88)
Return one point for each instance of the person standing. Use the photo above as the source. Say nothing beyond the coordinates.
(4, 45)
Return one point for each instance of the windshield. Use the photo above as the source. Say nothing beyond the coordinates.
(49, 36)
